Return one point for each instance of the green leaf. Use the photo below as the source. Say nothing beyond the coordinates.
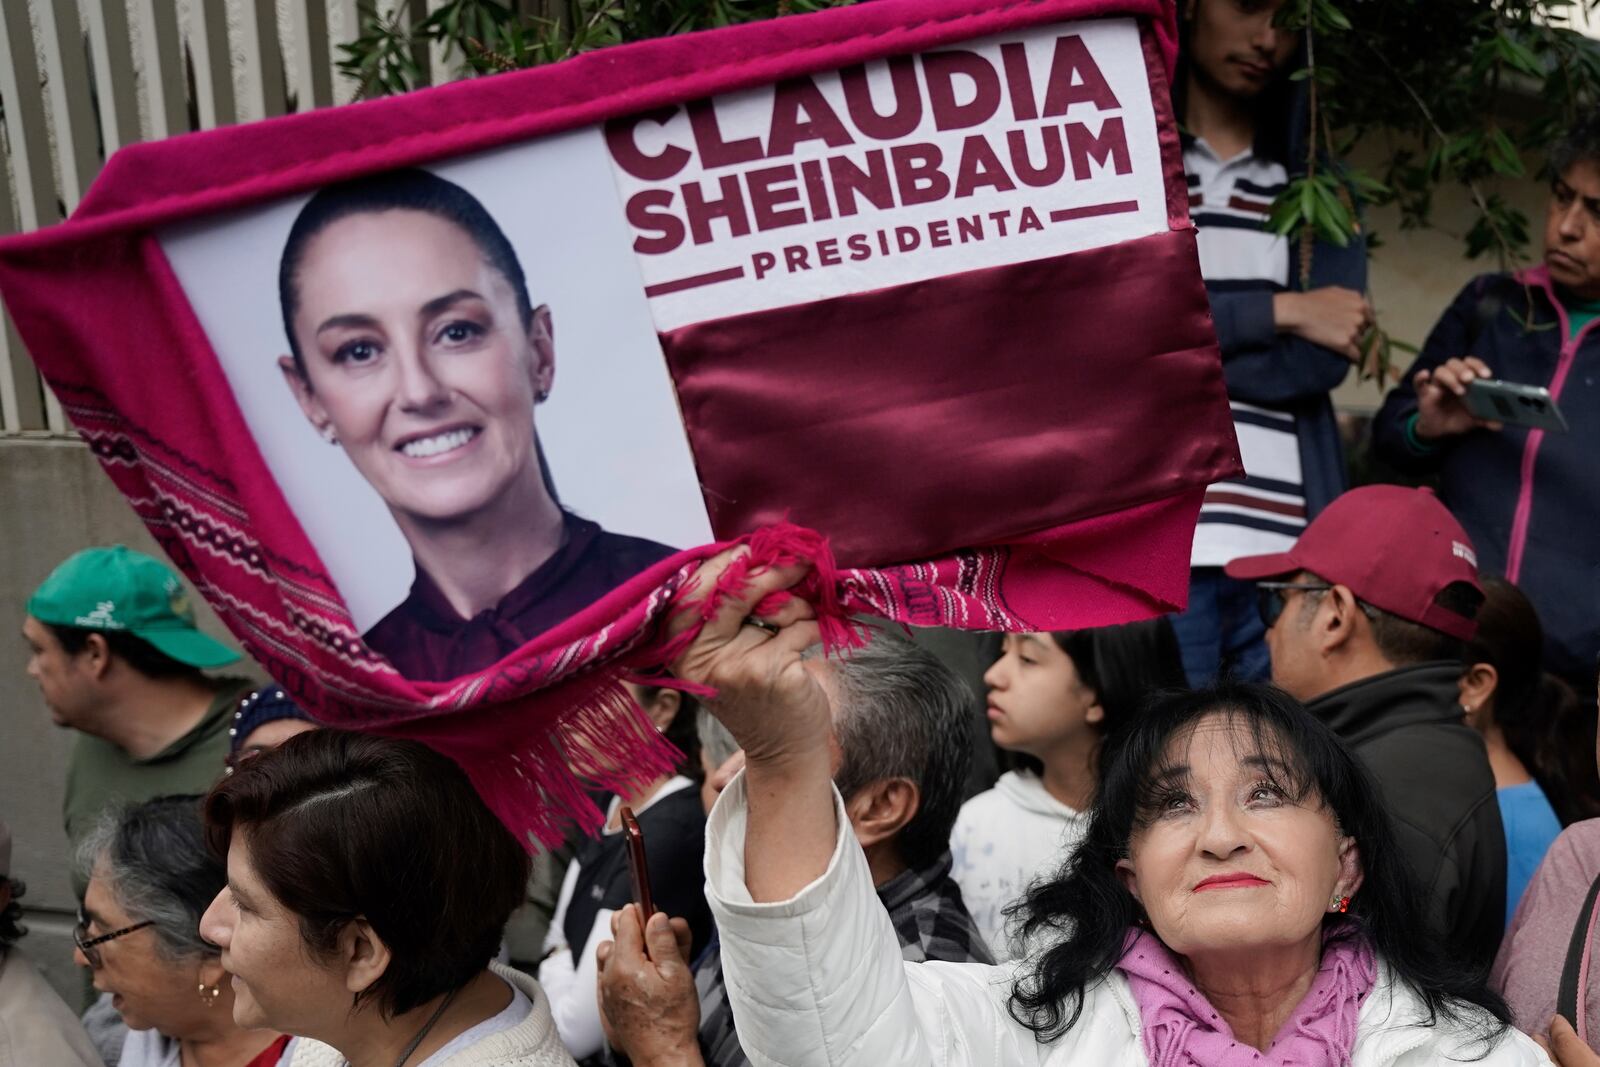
(1334, 222)
(1504, 156)
(1325, 16)
(1517, 56)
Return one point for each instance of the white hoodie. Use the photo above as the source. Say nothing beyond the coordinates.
(1005, 839)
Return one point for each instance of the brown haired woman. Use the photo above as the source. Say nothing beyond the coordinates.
(367, 890)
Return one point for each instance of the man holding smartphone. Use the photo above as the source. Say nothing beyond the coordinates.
(1528, 498)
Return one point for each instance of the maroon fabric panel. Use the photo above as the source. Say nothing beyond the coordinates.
(1166, 127)
(1044, 392)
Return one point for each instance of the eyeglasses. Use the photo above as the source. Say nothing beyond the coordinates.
(87, 945)
(1270, 599)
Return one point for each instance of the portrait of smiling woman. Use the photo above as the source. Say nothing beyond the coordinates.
(414, 347)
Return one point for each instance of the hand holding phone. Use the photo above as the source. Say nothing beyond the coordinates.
(1523, 405)
(638, 868)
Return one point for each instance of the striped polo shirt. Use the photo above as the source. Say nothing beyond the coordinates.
(1266, 509)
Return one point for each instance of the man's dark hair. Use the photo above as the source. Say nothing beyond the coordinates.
(344, 825)
(11, 928)
(904, 714)
(1581, 142)
(411, 189)
(138, 653)
(1086, 911)
(1405, 643)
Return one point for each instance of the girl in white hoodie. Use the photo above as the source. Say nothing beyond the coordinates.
(1053, 698)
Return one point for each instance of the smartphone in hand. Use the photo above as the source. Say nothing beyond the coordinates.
(638, 868)
(1523, 405)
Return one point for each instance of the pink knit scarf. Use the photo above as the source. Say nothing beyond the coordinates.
(1182, 1029)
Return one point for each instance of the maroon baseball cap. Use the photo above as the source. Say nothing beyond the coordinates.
(1395, 548)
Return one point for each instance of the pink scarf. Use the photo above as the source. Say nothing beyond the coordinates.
(1182, 1029)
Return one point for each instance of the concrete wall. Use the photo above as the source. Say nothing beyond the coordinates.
(54, 500)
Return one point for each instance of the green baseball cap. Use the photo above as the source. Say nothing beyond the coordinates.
(117, 588)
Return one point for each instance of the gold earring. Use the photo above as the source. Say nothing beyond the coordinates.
(209, 994)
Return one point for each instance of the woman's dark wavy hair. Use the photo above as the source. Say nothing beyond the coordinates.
(1087, 910)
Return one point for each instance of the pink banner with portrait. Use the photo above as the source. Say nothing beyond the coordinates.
(438, 399)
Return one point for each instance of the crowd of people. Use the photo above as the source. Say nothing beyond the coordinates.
(1344, 809)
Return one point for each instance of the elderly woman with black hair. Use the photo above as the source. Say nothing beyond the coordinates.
(367, 889)
(150, 878)
(1238, 898)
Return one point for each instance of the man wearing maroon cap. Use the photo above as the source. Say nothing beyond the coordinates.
(1367, 618)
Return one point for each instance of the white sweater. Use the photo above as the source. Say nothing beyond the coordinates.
(530, 1043)
(1005, 839)
(817, 981)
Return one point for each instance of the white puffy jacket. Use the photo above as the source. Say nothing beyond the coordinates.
(817, 981)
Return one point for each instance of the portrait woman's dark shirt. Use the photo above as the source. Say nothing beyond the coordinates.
(428, 642)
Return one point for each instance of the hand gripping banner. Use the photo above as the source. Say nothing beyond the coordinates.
(438, 399)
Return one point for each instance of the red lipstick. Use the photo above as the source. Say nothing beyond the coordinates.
(1236, 880)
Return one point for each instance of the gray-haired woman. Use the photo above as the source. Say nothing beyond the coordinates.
(150, 879)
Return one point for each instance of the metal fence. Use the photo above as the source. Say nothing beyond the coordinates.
(81, 78)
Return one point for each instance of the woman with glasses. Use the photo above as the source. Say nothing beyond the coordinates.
(150, 878)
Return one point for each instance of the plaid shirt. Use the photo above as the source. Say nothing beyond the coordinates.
(928, 915)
